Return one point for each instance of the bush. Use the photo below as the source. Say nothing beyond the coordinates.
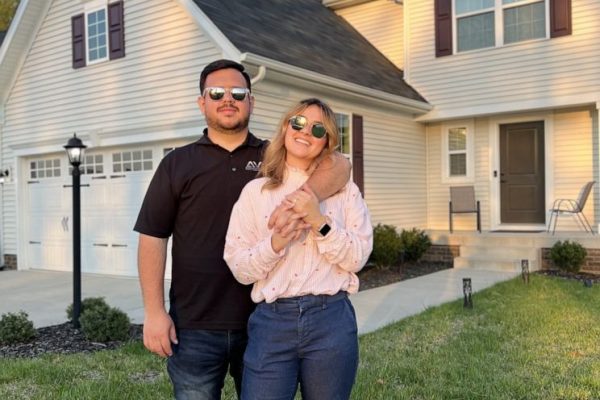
(414, 244)
(89, 303)
(386, 246)
(104, 324)
(568, 256)
(16, 328)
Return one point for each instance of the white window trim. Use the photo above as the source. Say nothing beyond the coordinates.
(470, 151)
(498, 24)
(350, 148)
(89, 8)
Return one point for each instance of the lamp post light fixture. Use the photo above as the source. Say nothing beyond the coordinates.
(525, 271)
(467, 293)
(75, 149)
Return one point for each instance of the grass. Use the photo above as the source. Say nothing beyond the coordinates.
(540, 341)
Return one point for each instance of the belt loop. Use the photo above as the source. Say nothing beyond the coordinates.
(274, 306)
(323, 302)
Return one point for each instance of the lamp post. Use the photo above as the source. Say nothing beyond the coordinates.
(75, 148)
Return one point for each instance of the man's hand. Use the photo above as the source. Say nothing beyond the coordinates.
(283, 214)
(159, 332)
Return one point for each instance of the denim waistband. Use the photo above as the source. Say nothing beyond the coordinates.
(306, 301)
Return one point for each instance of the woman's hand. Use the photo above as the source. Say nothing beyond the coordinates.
(304, 201)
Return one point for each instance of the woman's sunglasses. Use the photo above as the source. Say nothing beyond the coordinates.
(217, 93)
(298, 122)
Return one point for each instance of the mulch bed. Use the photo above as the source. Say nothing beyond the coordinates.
(371, 277)
(580, 276)
(62, 339)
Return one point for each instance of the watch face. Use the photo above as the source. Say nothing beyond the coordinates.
(324, 229)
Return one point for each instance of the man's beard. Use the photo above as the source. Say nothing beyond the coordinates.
(241, 126)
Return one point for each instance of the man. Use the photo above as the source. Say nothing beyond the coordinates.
(191, 197)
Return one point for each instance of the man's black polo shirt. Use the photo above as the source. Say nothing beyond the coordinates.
(191, 197)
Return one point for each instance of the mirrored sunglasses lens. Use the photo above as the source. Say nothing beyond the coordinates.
(216, 93)
(298, 122)
(238, 94)
(318, 131)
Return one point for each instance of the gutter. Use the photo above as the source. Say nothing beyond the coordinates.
(308, 78)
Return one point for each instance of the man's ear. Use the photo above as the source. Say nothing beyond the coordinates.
(251, 104)
(200, 102)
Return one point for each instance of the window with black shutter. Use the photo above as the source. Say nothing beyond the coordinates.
(98, 35)
(464, 25)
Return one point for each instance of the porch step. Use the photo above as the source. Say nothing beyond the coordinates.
(504, 257)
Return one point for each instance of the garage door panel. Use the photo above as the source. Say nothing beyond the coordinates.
(125, 260)
(96, 257)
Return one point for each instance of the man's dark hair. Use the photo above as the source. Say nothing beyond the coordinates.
(223, 64)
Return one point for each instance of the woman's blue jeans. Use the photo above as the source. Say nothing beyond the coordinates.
(306, 340)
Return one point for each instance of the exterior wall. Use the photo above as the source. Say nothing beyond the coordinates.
(394, 150)
(533, 71)
(571, 165)
(382, 23)
(152, 89)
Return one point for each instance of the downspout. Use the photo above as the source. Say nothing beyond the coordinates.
(262, 71)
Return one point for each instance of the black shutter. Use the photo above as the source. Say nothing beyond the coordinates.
(78, 40)
(560, 18)
(116, 30)
(358, 173)
(443, 28)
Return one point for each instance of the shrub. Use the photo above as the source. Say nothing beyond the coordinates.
(89, 303)
(568, 256)
(386, 246)
(414, 244)
(104, 324)
(16, 328)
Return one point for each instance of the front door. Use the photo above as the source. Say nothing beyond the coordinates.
(522, 183)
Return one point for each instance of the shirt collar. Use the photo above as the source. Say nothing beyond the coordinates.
(251, 140)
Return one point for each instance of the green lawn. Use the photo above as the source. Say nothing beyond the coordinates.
(540, 341)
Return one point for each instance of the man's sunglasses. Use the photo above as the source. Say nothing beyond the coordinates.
(298, 122)
(217, 93)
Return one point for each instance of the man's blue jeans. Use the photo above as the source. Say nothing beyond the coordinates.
(311, 340)
(200, 362)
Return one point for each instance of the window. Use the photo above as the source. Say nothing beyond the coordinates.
(96, 24)
(92, 164)
(343, 123)
(489, 23)
(457, 152)
(136, 160)
(98, 34)
(47, 168)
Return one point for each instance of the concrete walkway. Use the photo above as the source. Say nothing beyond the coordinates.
(44, 295)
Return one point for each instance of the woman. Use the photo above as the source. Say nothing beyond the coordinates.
(304, 327)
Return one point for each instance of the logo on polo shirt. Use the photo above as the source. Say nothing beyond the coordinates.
(253, 165)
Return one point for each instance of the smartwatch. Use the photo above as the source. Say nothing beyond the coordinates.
(324, 229)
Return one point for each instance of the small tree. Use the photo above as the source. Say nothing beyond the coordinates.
(568, 256)
(415, 243)
(386, 246)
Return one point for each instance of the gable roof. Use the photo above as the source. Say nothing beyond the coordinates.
(306, 34)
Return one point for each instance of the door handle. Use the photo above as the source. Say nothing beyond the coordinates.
(100, 244)
(34, 242)
(118, 245)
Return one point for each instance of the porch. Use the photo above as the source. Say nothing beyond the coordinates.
(504, 251)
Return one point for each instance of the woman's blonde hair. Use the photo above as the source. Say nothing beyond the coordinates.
(273, 165)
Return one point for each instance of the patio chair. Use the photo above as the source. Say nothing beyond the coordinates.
(462, 201)
(573, 207)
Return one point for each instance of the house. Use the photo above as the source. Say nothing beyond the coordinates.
(123, 76)
(499, 95)
(515, 91)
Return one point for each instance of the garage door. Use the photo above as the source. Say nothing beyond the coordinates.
(113, 186)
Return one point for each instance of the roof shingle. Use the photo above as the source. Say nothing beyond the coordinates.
(306, 34)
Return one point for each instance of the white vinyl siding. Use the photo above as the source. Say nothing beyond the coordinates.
(153, 89)
(438, 191)
(381, 23)
(526, 74)
(574, 161)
